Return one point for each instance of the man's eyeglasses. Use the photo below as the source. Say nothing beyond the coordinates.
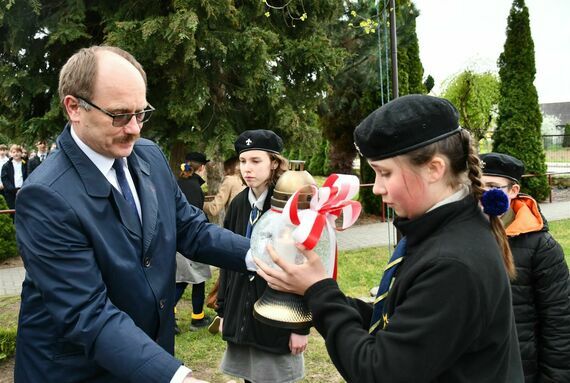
(121, 119)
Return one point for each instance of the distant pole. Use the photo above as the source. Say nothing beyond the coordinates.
(394, 51)
(394, 48)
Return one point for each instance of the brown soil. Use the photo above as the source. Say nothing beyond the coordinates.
(11, 262)
(7, 371)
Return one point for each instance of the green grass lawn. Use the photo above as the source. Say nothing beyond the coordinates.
(560, 230)
(358, 272)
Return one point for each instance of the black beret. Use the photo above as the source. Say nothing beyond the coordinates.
(502, 165)
(404, 124)
(197, 157)
(260, 139)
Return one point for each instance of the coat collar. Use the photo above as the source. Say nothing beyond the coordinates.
(95, 183)
(97, 186)
(418, 229)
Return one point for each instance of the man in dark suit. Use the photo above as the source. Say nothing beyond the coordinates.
(41, 155)
(98, 229)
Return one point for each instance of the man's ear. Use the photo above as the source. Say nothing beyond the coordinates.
(436, 168)
(71, 105)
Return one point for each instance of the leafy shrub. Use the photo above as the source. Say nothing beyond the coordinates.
(319, 161)
(7, 343)
(8, 246)
(371, 203)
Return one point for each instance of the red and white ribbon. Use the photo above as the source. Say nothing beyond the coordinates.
(328, 203)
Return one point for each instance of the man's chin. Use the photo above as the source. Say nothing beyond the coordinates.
(124, 150)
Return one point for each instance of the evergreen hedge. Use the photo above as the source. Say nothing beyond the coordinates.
(7, 343)
(518, 125)
(371, 203)
(8, 246)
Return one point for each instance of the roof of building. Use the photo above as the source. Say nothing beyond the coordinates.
(560, 110)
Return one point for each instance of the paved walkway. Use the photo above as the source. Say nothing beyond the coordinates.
(356, 237)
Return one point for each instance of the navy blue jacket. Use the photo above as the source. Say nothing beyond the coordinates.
(98, 297)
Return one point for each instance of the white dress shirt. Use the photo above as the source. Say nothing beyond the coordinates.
(18, 175)
(105, 166)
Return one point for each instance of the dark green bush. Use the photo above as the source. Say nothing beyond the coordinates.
(371, 204)
(319, 160)
(7, 343)
(8, 246)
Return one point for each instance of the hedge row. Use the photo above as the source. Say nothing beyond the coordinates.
(8, 246)
(7, 343)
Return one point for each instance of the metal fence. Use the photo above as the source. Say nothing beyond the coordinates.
(557, 150)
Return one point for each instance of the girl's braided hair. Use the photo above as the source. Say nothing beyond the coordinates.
(465, 168)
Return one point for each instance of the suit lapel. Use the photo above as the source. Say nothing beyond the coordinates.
(129, 219)
(147, 195)
(95, 183)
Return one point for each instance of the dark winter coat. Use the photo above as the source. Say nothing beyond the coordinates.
(35, 162)
(450, 315)
(8, 181)
(238, 293)
(540, 295)
(192, 189)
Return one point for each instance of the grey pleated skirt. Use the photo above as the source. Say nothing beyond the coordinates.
(260, 366)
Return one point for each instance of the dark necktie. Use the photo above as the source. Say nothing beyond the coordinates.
(379, 320)
(253, 217)
(42, 157)
(118, 165)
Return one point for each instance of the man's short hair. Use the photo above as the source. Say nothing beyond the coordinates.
(77, 76)
(3, 147)
(16, 147)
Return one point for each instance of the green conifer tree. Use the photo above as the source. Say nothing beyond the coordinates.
(518, 125)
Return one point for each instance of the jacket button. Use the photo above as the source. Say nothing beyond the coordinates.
(146, 262)
(162, 303)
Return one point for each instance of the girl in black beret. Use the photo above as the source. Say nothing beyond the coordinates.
(255, 351)
(443, 311)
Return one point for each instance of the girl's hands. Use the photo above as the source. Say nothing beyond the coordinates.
(298, 343)
(292, 278)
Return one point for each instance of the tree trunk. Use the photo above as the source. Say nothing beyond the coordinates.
(340, 159)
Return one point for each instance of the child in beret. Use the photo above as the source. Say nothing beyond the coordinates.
(255, 351)
(443, 313)
(189, 272)
(540, 291)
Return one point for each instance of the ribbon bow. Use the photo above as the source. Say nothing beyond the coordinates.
(328, 203)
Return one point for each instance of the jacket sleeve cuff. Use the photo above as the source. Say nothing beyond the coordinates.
(314, 292)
